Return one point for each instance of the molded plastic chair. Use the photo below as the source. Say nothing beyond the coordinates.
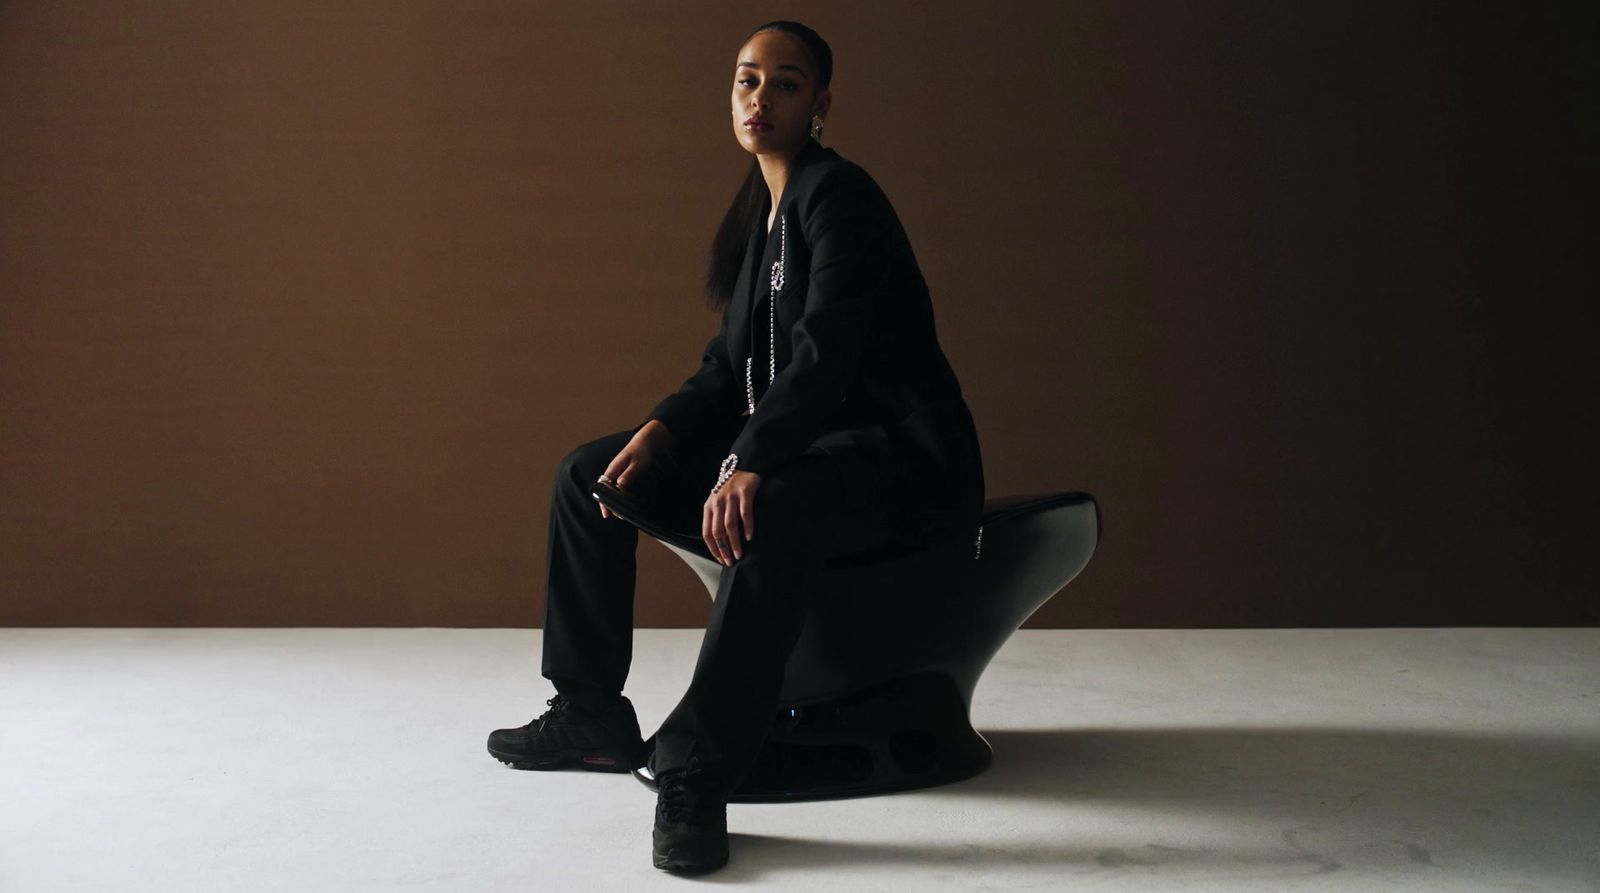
(878, 690)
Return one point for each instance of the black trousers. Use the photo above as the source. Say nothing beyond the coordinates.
(818, 505)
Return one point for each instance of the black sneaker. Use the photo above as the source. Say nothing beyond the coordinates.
(691, 832)
(566, 734)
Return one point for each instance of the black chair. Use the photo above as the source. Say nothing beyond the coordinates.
(877, 693)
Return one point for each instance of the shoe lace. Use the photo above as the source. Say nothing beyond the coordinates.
(675, 800)
(558, 709)
(683, 794)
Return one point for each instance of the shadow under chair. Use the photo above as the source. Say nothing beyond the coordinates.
(877, 693)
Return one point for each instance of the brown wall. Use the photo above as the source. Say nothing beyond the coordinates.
(301, 303)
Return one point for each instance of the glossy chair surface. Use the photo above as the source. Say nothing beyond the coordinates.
(877, 693)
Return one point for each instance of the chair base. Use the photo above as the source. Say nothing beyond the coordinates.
(906, 733)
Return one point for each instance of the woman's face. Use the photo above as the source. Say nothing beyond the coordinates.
(773, 82)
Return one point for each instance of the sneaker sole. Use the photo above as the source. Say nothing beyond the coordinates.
(669, 863)
(694, 852)
(594, 761)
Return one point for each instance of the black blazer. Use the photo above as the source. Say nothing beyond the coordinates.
(859, 366)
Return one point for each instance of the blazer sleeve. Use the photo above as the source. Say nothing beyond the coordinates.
(712, 391)
(847, 224)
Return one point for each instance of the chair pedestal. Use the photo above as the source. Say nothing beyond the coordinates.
(907, 733)
(877, 692)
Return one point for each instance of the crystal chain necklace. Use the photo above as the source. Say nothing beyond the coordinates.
(772, 357)
(776, 279)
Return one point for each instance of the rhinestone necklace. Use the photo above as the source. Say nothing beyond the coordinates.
(776, 279)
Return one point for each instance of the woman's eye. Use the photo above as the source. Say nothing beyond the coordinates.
(787, 85)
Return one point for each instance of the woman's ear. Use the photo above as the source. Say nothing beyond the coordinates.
(824, 99)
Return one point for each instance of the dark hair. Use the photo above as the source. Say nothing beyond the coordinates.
(727, 248)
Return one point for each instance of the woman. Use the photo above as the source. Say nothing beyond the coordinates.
(824, 419)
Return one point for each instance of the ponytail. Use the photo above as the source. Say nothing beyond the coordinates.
(727, 249)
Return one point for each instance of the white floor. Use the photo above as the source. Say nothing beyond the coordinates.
(1146, 760)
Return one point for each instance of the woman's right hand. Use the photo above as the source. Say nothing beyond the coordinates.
(636, 458)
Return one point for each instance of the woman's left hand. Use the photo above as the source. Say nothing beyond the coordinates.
(729, 517)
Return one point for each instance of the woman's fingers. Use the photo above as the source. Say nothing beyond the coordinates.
(721, 528)
(615, 472)
(747, 510)
(728, 522)
(726, 536)
(708, 530)
(733, 526)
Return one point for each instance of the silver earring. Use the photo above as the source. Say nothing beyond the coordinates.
(816, 127)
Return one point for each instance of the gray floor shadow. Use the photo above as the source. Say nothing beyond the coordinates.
(1308, 800)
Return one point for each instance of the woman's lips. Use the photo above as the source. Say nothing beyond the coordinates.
(757, 126)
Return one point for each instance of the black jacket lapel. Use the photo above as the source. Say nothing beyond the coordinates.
(739, 310)
(751, 322)
(810, 151)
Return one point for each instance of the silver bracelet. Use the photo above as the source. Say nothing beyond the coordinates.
(726, 471)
